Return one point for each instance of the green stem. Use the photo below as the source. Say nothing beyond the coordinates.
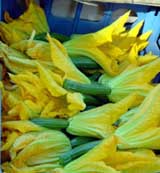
(77, 152)
(51, 123)
(85, 63)
(80, 140)
(90, 100)
(90, 89)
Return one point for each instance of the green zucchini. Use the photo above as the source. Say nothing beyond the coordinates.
(85, 63)
(90, 89)
(51, 123)
(77, 152)
(80, 140)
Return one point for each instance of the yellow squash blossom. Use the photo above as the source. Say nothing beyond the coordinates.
(146, 58)
(49, 82)
(93, 161)
(35, 49)
(126, 116)
(61, 60)
(99, 121)
(21, 126)
(143, 129)
(37, 148)
(106, 158)
(126, 40)
(129, 161)
(64, 103)
(33, 19)
(137, 79)
(110, 46)
(99, 37)
(18, 62)
(12, 129)
(53, 51)
(10, 140)
(10, 99)
(122, 45)
(42, 95)
(87, 45)
(47, 168)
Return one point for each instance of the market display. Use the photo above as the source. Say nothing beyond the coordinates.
(80, 104)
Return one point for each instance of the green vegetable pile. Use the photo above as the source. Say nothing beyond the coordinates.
(80, 104)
